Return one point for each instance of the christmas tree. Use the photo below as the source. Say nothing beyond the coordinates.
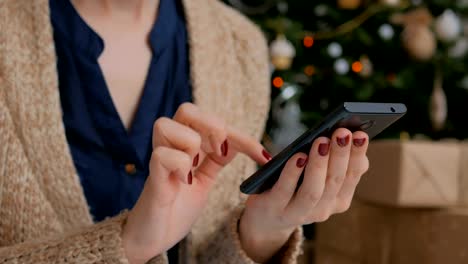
(326, 52)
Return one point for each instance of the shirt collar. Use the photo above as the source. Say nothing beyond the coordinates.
(70, 25)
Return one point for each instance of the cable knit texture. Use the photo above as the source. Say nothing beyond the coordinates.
(44, 217)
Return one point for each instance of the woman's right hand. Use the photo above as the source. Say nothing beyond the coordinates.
(188, 153)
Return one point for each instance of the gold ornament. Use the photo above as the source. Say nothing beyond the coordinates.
(438, 104)
(418, 40)
(349, 4)
(282, 53)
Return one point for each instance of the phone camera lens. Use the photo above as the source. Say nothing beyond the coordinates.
(367, 124)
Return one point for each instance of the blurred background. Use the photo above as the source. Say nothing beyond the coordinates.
(325, 52)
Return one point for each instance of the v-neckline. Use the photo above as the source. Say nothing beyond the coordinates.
(159, 28)
(93, 46)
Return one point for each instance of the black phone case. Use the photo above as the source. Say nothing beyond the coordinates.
(371, 118)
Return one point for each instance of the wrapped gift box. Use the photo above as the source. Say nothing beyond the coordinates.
(404, 236)
(411, 173)
(389, 235)
(463, 174)
(341, 232)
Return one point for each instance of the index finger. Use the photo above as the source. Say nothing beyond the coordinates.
(249, 146)
(220, 137)
(208, 126)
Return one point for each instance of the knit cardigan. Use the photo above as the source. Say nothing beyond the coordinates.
(44, 217)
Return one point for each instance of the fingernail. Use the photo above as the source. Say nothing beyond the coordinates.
(342, 141)
(301, 162)
(266, 155)
(189, 178)
(224, 148)
(323, 149)
(358, 142)
(195, 160)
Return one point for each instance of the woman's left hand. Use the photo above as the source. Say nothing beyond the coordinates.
(333, 168)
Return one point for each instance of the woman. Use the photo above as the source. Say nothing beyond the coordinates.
(118, 131)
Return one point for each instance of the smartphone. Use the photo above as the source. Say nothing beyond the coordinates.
(371, 118)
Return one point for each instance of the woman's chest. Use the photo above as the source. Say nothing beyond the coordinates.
(124, 64)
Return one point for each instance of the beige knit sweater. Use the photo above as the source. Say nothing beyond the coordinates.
(44, 217)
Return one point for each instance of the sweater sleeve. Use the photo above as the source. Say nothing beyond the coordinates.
(98, 243)
(46, 242)
(227, 246)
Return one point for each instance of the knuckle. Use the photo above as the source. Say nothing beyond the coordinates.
(301, 219)
(319, 164)
(185, 159)
(335, 180)
(313, 197)
(157, 154)
(343, 152)
(219, 126)
(282, 191)
(366, 164)
(192, 140)
(343, 206)
(322, 216)
(163, 154)
(354, 173)
(195, 141)
(160, 123)
(284, 219)
(186, 108)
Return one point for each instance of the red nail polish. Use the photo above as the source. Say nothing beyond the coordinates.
(358, 142)
(224, 148)
(195, 160)
(189, 178)
(301, 162)
(266, 155)
(323, 149)
(342, 141)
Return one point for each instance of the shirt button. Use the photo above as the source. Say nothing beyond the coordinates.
(130, 168)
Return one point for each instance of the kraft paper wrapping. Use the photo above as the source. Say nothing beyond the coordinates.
(341, 232)
(389, 235)
(407, 236)
(463, 174)
(412, 174)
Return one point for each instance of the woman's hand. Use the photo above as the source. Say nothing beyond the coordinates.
(332, 171)
(188, 153)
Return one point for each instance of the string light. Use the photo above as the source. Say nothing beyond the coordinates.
(308, 41)
(278, 82)
(356, 66)
(309, 70)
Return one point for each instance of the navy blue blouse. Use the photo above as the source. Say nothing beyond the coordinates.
(112, 162)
